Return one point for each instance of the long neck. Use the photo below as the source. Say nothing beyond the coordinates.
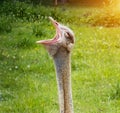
(62, 61)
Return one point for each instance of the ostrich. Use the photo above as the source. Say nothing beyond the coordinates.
(60, 49)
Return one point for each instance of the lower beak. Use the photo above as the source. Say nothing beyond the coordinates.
(55, 39)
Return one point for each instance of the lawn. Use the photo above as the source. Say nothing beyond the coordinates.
(27, 75)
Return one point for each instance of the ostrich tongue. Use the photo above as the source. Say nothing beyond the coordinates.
(57, 36)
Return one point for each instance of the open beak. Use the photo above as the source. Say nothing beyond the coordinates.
(56, 37)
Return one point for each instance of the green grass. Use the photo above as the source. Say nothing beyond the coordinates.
(27, 76)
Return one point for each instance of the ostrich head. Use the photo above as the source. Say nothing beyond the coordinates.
(64, 38)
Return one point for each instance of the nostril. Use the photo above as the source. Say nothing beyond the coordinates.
(56, 23)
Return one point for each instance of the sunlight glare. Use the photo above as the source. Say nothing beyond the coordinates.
(115, 5)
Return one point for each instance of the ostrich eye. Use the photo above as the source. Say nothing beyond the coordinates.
(69, 37)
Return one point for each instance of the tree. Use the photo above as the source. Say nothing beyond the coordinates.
(56, 3)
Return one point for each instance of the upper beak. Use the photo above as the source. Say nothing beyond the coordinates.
(55, 39)
(55, 23)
